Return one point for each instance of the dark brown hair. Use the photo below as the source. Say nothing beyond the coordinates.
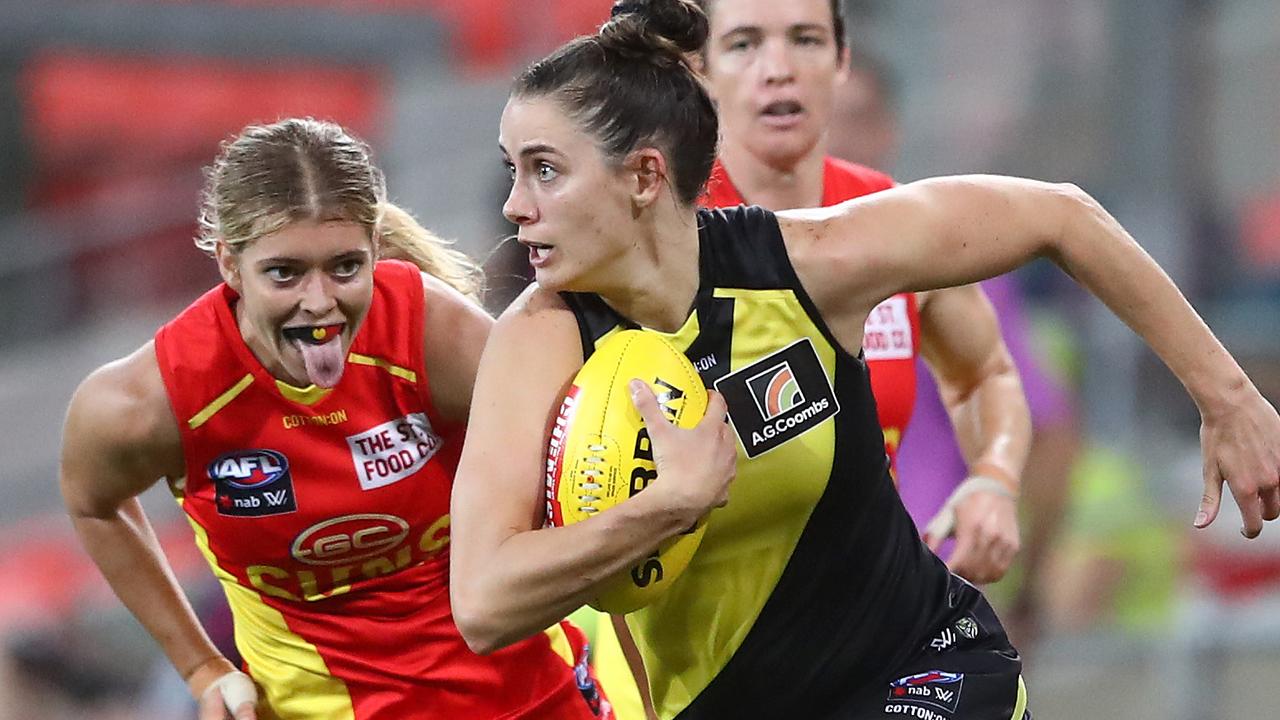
(631, 85)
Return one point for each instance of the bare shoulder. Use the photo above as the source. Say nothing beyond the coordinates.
(455, 331)
(536, 335)
(449, 313)
(121, 434)
(125, 402)
(538, 312)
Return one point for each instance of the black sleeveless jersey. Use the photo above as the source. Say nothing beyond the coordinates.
(812, 584)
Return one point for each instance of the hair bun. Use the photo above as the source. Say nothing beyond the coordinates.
(654, 29)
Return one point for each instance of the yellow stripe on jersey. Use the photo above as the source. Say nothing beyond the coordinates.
(1020, 707)
(688, 635)
(560, 644)
(295, 681)
(309, 395)
(396, 370)
(614, 673)
(222, 401)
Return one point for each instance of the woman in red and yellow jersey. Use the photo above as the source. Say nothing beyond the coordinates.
(307, 414)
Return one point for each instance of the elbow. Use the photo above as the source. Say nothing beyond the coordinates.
(1074, 213)
(475, 623)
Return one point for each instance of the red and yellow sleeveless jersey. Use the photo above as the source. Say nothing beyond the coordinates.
(325, 515)
(892, 332)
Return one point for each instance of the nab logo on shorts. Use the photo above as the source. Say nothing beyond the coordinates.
(937, 688)
(252, 483)
(778, 398)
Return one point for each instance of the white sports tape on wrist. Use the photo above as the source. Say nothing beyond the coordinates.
(236, 689)
(944, 523)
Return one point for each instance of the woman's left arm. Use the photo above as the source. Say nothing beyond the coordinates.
(953, 231)
(979, 386)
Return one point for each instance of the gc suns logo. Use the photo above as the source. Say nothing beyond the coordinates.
(779, 397)
(252, 483)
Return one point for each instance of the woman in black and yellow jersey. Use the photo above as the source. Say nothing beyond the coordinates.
(811, 595)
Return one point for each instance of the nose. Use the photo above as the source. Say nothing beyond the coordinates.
(519, 208)
(318, 299)
(776, 60)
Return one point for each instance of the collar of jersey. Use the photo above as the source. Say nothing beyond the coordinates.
(309, 395)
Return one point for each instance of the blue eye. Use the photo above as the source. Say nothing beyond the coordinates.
(546, 173)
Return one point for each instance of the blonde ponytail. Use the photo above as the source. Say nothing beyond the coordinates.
(402, 237)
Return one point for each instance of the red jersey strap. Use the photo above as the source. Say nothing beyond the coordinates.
(393, 338)
(841, 180)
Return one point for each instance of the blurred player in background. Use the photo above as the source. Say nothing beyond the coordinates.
(307, 414)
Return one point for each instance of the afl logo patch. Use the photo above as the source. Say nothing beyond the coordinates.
(252, 483)
(778, 398)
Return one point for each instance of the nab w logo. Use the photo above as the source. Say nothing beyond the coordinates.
(252, 483)
(775, 391)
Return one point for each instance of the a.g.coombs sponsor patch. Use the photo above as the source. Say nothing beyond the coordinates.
(778, 398)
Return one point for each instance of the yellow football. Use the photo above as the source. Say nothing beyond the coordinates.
(599, 453)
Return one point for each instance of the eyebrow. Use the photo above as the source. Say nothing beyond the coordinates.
(758, 30)
(287, 260)
(537, 148)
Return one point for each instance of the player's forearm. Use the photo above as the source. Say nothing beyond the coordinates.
(534, 578)
(1102, 256)
(992, 422)
(126, 551)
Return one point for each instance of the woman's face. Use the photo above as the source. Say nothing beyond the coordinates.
(304, 291)
(772, 67)
(571, 205)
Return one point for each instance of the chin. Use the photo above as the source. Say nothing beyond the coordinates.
(553, 281)
(788, 148)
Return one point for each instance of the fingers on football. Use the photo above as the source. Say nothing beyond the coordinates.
(647, 403)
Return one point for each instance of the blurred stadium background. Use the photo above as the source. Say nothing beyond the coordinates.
(1169, 112)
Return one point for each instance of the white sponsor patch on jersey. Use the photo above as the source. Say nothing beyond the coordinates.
(394, 450)
(887, 334)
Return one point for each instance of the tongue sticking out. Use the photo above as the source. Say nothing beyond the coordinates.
(321, 349)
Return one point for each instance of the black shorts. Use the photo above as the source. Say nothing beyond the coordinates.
(965, 670)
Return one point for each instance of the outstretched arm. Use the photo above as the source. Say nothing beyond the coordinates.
(952, 231)
(120, 437)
